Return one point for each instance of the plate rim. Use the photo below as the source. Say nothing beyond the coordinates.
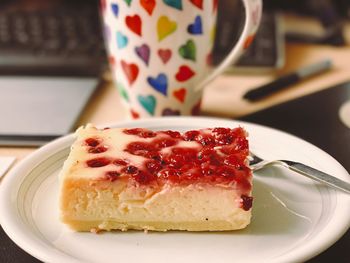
(22, 236)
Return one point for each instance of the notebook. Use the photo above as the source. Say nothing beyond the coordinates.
(36, 110)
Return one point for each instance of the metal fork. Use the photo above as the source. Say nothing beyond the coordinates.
(256, 163)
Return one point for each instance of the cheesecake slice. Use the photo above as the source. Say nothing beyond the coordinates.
(140, 179)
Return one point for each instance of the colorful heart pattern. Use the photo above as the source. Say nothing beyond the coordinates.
(128, 2)
(170, 112)
(196, 27)
(188, 50)
(197, 3)
(103, 5)
(134, 114)
(115, 9)
(165, 27)
(123, 93)
(141, 55)
(122, 40)
(134, 23)
(143, 52)
(148, 103)
(159, 83)
(180, 94)
(131, 71)
(184, 73)
(215, 5)
(148, 5)
(174, 3)
(165, 55)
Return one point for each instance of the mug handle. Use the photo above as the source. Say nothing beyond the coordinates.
(253, 11)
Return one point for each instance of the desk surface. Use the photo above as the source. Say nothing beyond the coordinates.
(223, 98)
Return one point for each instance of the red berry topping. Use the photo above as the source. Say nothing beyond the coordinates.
(205, 154)
(99, 149)
(120, 162)
(207, 169)
(221, 130)
(242, 144)
(98, 162)
(233, 161)
(225, 171)
(176, 160)
(112, 175)
(140, 148)
(170, 174)
(173, 134)
(131, 169)
(93, 142)
(143, 133)
(143, 177)
(153, 166)
(155, 156)
(205, 139)
(247, 202)
(164, 142)
(190, 135)
(219, 157)
(192, 174)
(135, 131)
(147, 134)
(224, 139)
(189, 154)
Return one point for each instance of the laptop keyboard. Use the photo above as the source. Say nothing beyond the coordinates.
(265, 50)
(57, 40)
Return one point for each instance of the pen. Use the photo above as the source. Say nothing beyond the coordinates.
(286, 80)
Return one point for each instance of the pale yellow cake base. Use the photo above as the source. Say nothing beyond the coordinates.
(102, 205)
(96, 226)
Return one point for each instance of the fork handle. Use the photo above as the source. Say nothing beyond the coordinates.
(318, 175)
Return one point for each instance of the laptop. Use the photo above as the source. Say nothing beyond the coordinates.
(51, 57)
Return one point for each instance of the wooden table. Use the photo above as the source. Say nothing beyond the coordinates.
(223, 97)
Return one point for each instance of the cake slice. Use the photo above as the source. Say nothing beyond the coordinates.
(139, 179)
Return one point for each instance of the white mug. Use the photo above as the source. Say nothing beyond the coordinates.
(159, 51)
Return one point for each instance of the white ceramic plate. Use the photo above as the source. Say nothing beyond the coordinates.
(294, 218)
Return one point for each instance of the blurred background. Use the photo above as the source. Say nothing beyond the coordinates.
(54, 77)
(61, 37)
(53, 61)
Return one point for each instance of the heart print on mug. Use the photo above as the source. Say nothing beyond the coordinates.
(160, 51)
